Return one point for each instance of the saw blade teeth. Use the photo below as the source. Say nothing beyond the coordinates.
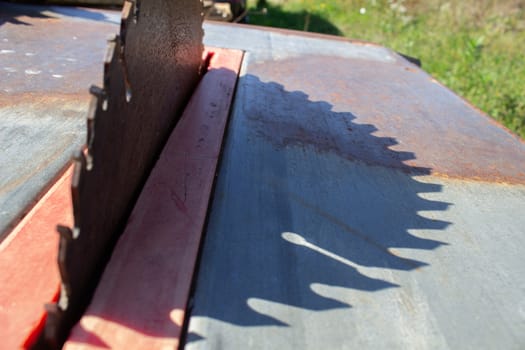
(100, 94)
(161, 52)
(110, 50)
(76, 187)
(91, 131)
(100, 97)
(126, 11)
(62, 259)
(124, 20)
(97, 91)
(66, 236)
(125, 74)
(136, 11)
(124, 24)
(53, 316)
(65, 232)
(110, 53)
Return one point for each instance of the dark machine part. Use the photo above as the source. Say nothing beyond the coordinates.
(150, 70)
(225, 10)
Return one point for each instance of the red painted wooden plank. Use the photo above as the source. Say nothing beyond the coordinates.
(29, 275)
(141, 299)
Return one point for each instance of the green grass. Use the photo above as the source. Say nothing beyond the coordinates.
(477, 48)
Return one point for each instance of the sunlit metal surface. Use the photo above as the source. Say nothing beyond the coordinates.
(49, 56)
(360, 204)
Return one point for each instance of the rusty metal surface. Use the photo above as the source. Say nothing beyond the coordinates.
(48, 58)
(451, 137)
(343, 217)
(360, 205)
(150, 70)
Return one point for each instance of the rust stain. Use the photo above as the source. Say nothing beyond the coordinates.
(32, 101)
(374, 112)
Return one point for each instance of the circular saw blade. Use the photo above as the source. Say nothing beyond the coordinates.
(151, 69)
